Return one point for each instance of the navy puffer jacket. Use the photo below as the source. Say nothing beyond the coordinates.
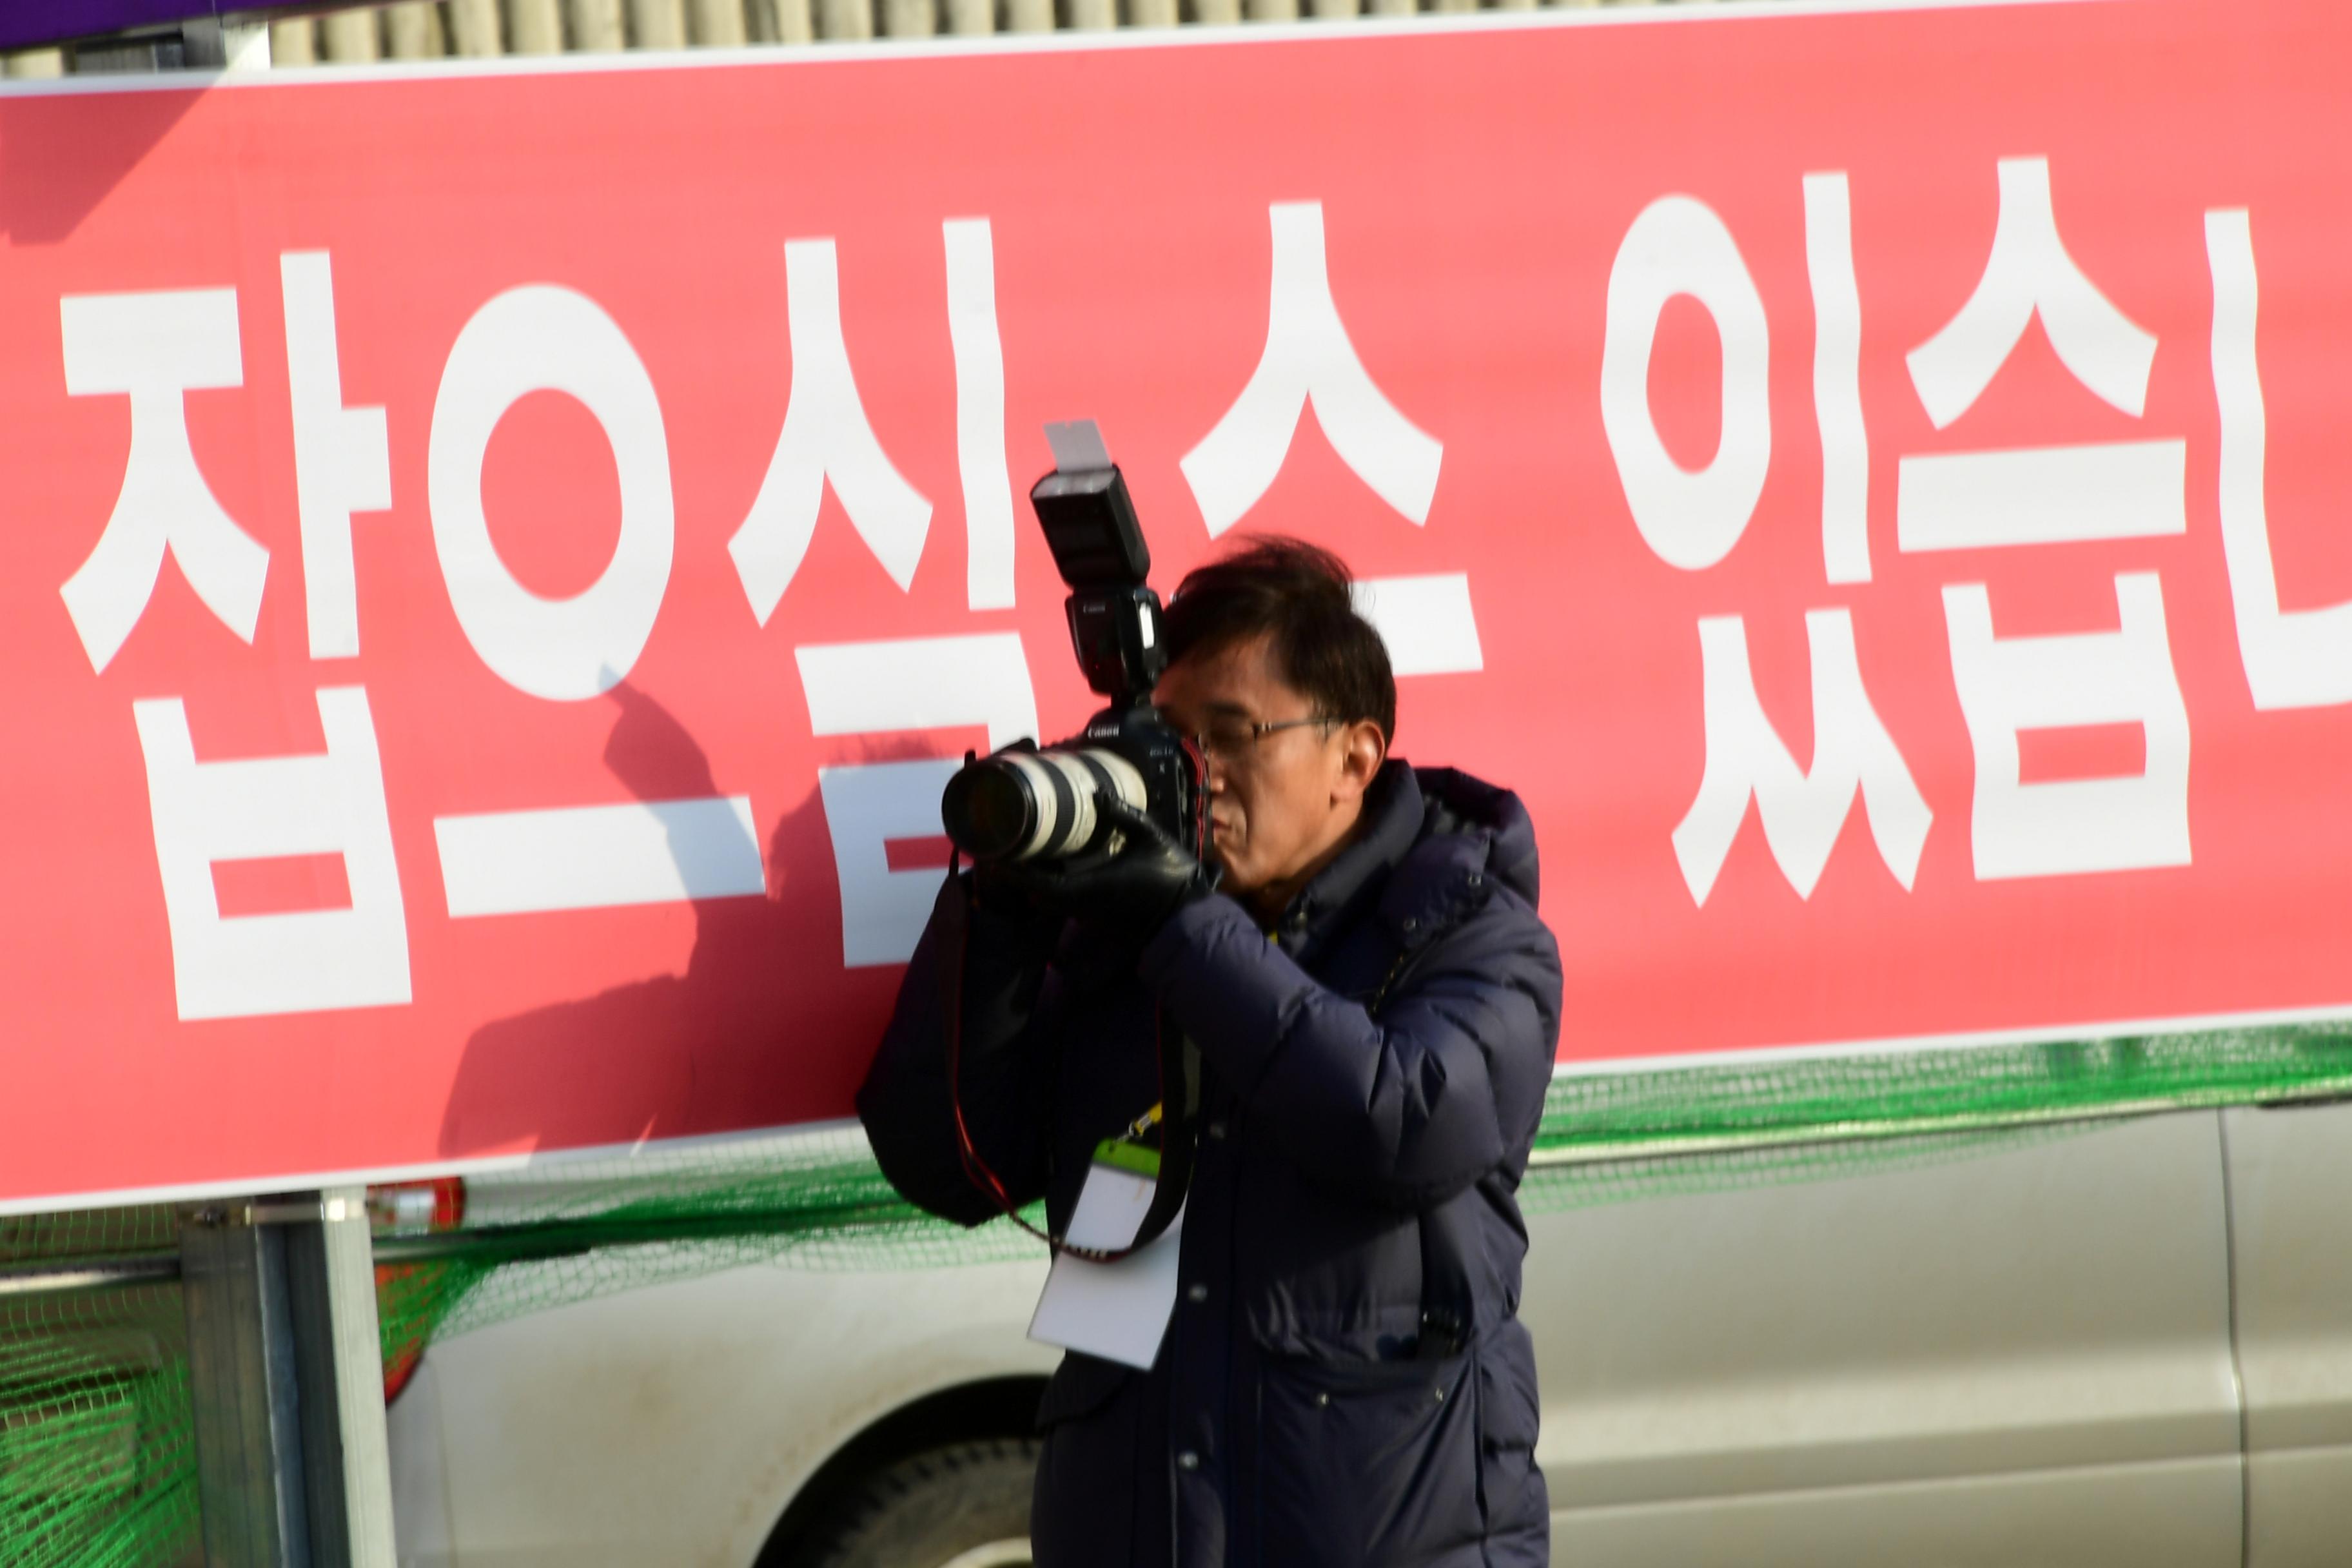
(1373, 1073)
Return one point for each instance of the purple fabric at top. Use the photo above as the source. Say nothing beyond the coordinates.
(28, 24)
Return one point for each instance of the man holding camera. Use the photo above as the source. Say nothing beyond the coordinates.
(1367, 1008)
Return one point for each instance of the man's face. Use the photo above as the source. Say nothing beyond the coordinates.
(1279, 803)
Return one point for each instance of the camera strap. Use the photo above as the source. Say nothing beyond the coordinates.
(1180, 1116)
(1179, 1105)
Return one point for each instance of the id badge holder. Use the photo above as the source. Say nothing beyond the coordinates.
(1120, 1310)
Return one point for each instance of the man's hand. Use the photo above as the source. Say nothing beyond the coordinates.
(1133, 891)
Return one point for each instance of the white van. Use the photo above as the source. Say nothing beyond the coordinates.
(2128, 1344)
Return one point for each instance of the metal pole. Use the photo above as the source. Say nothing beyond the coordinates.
(87, 1274)
(242, 1382)
(339, 1357)
(292, 1462)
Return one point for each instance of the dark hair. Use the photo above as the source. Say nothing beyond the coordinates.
(1296, 595)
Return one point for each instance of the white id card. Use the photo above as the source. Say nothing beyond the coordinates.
(1115, 1310)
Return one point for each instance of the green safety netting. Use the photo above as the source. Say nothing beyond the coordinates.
(97, 1461)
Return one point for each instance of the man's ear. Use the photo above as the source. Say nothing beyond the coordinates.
(1366, 749)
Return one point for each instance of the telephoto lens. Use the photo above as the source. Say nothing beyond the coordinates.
(1025, 804)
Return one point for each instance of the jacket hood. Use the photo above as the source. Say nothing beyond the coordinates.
(1429, 839)
(1455, 803)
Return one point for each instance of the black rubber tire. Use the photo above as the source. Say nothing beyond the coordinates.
(925, 1511)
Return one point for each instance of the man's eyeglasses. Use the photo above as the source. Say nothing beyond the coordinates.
(1232, 741)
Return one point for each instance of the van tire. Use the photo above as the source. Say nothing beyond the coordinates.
(931, 1509)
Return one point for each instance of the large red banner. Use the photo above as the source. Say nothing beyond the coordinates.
(499, 563)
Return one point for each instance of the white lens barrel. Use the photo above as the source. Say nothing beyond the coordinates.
(1035, 772)
(1123, 779)
(1062, 784)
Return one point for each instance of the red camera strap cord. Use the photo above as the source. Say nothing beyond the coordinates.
(1179, 1097)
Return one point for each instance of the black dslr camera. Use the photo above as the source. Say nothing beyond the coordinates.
(1032, 803)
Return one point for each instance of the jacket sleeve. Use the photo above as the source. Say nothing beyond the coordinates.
(1406, 1110)
(1008, 1056)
